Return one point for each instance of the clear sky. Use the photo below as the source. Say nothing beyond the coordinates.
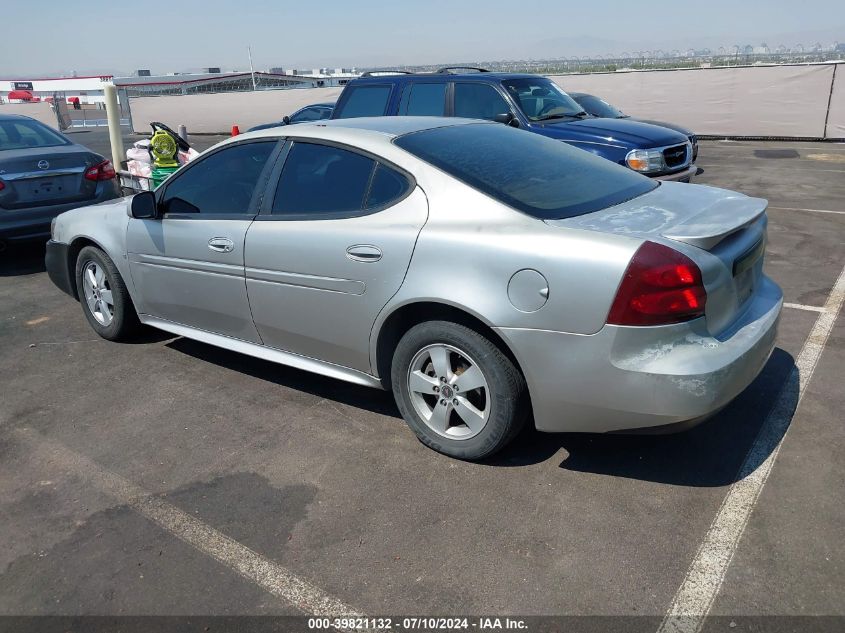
(41, 37)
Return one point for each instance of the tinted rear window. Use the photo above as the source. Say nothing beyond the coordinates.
(544, 178)
(364, 101)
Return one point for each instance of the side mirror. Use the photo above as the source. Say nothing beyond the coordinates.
(143, 206)
(507, 119)
(286, 120)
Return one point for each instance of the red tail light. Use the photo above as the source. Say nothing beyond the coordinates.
(101, 171)
(2, 185)
(660, 286)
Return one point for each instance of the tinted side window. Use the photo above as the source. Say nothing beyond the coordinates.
(479, 101)
(320, 179)
(365, 101)
(221, 183)
(308, 114)
(387, 185)
(424, 100)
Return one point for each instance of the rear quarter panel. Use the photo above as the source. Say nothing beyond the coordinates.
(472, 246)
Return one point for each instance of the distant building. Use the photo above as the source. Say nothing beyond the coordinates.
(85, 90)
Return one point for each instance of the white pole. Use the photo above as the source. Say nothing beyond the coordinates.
(251, 70)
(113, 117)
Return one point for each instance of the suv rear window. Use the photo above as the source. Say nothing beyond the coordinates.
(541, 177)
(364, 101)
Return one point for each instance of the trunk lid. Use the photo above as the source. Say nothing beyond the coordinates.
(724, 232)
(36, 177)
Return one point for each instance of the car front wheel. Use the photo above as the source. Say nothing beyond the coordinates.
(457, 391)
(103, 295)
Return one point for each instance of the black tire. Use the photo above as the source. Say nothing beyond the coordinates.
(508, 393)
(124, 324)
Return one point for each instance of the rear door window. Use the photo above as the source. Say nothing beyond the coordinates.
(424, 99)
(479, 101)
(365, 101)
(325, 182)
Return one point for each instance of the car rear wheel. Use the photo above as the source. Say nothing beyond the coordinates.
(457, 391)
(105, 301)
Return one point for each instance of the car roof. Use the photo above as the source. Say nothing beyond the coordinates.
(13, 117)
(485, 77)
(389, 126)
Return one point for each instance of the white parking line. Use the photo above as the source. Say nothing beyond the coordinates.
(812, 210)
(251, 565)
(715, 144)
(697, 592)
(801, 306)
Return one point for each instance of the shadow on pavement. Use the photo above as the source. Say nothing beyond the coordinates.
(373, 400)
(22, 259)
(706, 456)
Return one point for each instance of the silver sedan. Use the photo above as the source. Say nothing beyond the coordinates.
(486, 275)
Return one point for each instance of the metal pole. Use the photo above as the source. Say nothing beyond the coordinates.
(251, 70)
(113, 116)
(183, 133)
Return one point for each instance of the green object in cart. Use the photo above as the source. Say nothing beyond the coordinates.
(160, 174)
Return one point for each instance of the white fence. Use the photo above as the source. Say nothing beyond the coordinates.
(218, 112)
(778, 101)
(782, 101)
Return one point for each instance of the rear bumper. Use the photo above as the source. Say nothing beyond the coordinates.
(680, 176)
(625, 378)
(34, 222)
(56, 262)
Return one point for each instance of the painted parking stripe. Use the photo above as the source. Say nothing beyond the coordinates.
(811, 210)
(249, 564)
(697, 592)
(801, 306)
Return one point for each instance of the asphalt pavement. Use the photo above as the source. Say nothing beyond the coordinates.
(156, 477)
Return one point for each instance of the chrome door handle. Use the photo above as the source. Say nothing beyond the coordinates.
(363, 253)
(221, 244)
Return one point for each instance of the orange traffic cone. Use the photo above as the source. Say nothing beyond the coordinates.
(235, 130)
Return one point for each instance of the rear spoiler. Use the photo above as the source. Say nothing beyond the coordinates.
(717, 222)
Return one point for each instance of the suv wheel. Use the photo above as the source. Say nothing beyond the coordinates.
(457, 391)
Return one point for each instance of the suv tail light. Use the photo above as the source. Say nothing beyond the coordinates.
(660, 286)
(2, 185)
(101, 171)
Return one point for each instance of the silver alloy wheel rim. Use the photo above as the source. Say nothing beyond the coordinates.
(449, 391)
(98, 294)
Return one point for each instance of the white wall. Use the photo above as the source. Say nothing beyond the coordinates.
(40, 111)
(218, 112)
(751, 101)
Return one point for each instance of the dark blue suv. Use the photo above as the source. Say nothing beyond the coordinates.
(529, 102)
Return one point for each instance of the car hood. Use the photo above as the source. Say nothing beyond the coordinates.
(671, 126)
(631, 134)
(698, 215)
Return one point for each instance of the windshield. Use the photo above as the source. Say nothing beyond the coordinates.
(599, 107)
(26, 133)
(542, 177)
(541, 99)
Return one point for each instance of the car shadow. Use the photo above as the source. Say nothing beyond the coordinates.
(373, 400)
(26, 258)
(708, 455)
